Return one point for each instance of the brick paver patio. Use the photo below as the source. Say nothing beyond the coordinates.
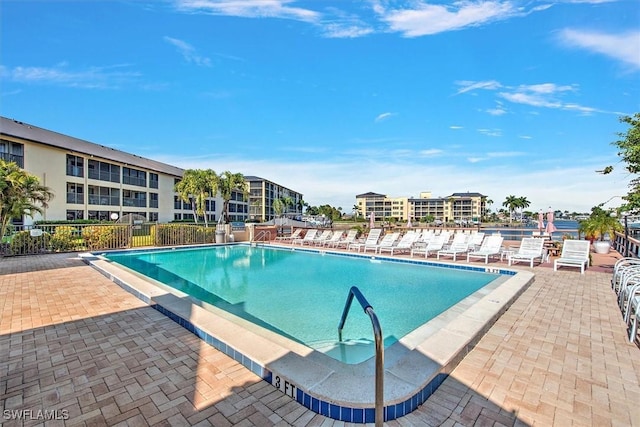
(78, 347)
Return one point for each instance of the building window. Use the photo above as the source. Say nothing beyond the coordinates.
(153, 216)
(75, 166)
(101, 215)
(153, 180)
(103, 196)
(12, 152)
(142, 214)
(134, 177)
(134, 198)
(75, 193)
(103, 171)
(153, 200)
(72, 215)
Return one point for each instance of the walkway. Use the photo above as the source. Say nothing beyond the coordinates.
(78, 347)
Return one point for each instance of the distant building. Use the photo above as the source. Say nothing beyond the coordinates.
(382, 206)
(262, 194)
(91, 181)
(465, 207)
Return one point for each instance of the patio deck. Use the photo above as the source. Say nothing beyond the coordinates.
(77, 346)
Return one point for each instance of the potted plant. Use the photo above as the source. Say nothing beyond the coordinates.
(600, 224)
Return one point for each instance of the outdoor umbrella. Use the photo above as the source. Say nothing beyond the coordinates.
(550, 227)
(409, 225)
(540, 220)
(372, 220)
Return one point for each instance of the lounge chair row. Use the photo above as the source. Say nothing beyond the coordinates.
(575, 253)
(625, 281)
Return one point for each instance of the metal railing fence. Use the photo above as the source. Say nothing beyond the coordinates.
(51, 238)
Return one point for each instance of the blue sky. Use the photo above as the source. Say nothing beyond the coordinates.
(337, 98)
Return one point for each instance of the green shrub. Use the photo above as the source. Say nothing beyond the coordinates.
(23, 243)
(106, 236)
(64, 239)
(178, 234)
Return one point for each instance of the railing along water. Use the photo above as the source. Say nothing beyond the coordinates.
(377, 333)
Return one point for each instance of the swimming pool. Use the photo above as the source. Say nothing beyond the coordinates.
(414, 365)
(301, 294)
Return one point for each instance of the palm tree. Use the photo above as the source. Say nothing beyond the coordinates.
(196, 187)
(226, 184)
(356, 212)
(288, 202)
(522, 204)
(20, 194)
(511, 203)
(278, 207)
(487, 210)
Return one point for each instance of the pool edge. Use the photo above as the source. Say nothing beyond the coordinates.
(400, 377)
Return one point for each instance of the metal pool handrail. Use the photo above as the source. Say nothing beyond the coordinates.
(377, 333)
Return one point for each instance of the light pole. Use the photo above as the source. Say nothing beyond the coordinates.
(626, 234)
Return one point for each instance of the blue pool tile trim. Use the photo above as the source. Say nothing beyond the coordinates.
(328, 409)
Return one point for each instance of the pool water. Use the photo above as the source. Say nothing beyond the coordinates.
(301, 294)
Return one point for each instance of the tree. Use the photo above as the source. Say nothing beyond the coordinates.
(629, 151)
(21, 194)
(288, 202)
(523, 203)
(356, 212)
(599, 224)
(195, 187)
(226, 184)
(278, 207)
(511, 203)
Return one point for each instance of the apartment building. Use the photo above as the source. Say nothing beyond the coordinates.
(262, 194)
(382, 206)
(456, 207)
(91, 181)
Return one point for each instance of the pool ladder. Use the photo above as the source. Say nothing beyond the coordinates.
(377, 333)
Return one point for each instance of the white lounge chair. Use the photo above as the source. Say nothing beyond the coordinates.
(388, 241)
(476, 240)
(335, 237)
(530, 249)
(295, 235)
(575, 253)
(491, 246)
(459, 245)
(321, 238)
(405, 244)
(622, 267)
(308, 237)
(435, 244)
(372, 239)
(346, 240)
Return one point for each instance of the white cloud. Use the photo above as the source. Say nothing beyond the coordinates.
(491, 132)
(498, 111)
(623, 47)
(110, 77)
(249, 9)
(426, 19)
(468, 86)
(456, 127)
(188, 52)
(383, 116)
(340, 30)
